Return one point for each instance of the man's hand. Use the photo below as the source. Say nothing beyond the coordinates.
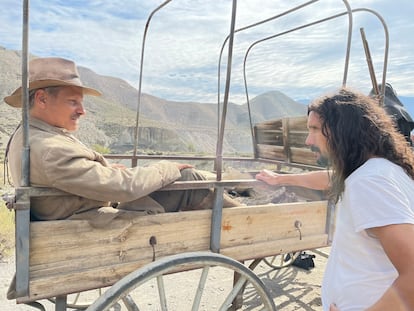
(182, 166)
(118, 165)
(268, 177)
(333, 307)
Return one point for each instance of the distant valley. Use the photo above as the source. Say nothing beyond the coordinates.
(165, 126)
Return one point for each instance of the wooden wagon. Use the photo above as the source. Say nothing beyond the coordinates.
(58, 258)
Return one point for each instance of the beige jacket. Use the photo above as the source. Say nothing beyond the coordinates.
(59, 160)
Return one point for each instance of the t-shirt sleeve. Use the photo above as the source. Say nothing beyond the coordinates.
(376, 201)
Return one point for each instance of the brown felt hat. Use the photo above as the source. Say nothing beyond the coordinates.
(50, 71)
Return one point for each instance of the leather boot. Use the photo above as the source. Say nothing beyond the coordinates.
(228, 201)
(208, 201)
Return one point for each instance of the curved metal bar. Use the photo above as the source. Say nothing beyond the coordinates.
(245, 28)
(347, 56)
(348, 45)
(346, 61)
(141, 71)
(219, 149)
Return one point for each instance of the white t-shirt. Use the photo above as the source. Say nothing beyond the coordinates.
(358, 272)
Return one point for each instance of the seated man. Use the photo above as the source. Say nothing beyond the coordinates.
(59, 160)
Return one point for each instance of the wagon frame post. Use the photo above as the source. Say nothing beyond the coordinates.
(22, 213)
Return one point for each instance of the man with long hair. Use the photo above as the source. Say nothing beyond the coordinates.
(371, 166)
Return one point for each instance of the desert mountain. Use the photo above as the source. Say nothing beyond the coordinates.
(165, 126)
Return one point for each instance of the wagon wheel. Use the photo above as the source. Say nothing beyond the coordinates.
(157, 286)
(281, 261)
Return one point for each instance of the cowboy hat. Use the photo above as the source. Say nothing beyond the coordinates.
(50, 71)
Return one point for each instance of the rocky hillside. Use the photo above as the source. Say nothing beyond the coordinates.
(165, 126)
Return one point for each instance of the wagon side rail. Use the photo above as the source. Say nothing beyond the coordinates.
(69, 256)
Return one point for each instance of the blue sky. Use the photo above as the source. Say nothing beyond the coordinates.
(185, 38)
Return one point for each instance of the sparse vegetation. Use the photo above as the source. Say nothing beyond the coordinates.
(191, 147)
(6, 219)
(101, 149)
(6, 231)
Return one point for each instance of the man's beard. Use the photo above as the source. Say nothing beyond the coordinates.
(321, 160)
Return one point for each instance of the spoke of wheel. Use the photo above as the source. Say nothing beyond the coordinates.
(200, 289)
(161, 292)
(237, 287)
(76, 298)
(130, 303)
(282, 259)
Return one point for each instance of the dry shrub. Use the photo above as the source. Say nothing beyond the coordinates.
(6, 231)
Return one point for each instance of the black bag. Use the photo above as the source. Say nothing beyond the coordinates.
(397, 111)
(304, 261)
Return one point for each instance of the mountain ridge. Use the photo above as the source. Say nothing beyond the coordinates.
(165, 126)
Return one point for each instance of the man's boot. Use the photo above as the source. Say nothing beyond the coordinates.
(228, 201)
(208, 201)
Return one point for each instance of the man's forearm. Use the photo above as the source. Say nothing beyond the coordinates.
(317, 180)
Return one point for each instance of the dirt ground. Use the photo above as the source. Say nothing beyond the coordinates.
(292, 288)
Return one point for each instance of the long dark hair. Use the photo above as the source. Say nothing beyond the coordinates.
(358, 128)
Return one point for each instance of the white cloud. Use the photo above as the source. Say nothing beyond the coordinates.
(185, 38)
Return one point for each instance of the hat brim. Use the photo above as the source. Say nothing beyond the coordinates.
(15, 99)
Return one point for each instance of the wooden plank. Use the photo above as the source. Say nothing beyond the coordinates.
(271, 152)
(297, 132)
(296, 123)
(270, 124)
(270, 138)
(71, 256)
(303, 156)
(298, 138)
(271, 248)
(245, 229)
(120, 242)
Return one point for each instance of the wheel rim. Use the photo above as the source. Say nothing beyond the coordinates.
(165, 268)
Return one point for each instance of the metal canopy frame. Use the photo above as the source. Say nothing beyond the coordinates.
(349, 12)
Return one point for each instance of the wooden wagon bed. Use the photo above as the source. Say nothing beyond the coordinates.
(70, 256)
